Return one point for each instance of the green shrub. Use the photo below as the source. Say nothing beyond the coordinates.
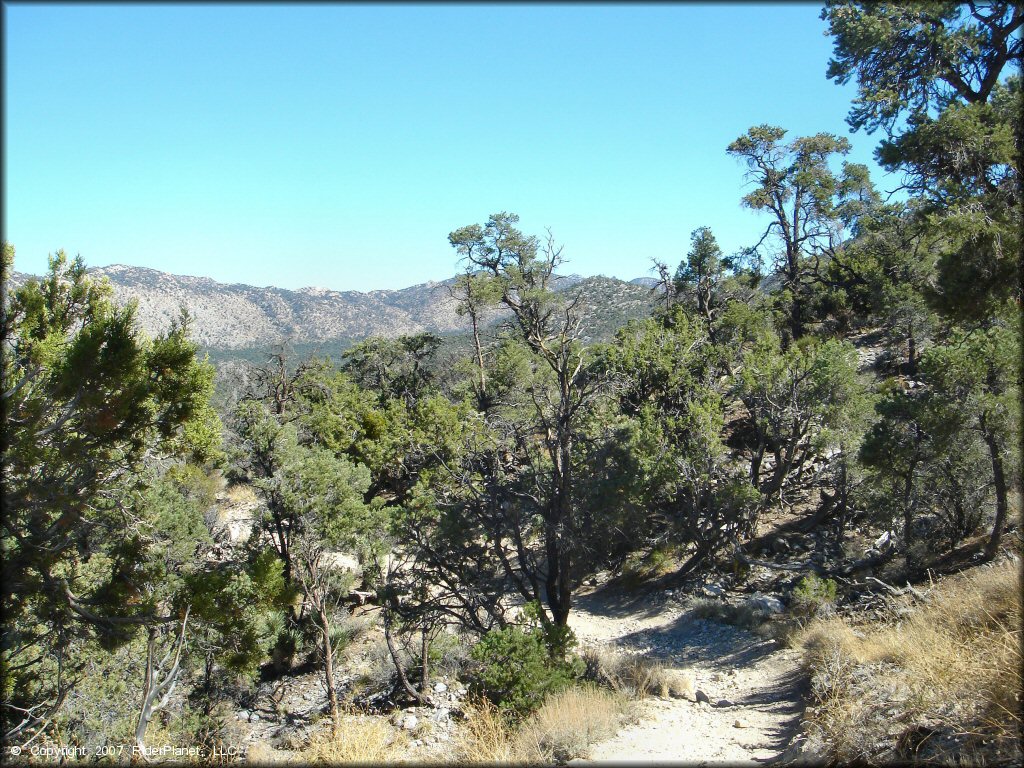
(517, 667)
(812, 594)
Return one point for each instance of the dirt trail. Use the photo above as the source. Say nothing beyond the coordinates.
(754, 685)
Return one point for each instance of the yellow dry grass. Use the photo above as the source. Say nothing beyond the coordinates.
(565, 727)
(629, 675)
(571, 721)
(241, 493)
(942, 680)
(360, 740)
(261, 753)
(488, 737)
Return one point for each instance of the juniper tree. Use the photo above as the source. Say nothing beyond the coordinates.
(88, 401)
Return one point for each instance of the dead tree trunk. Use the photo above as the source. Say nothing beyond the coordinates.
(156, 692)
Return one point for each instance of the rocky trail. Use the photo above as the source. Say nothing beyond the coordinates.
(747, 699)
(749, 690)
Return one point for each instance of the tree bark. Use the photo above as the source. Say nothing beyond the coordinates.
(397, 660)
(999, 476)
(481, 370)
(425, 660)
(328, 651)
(912, 354)
(908, 509)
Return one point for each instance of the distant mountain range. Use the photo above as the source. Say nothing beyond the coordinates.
(235, 316)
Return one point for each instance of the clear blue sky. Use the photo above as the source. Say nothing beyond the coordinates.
(338, 145)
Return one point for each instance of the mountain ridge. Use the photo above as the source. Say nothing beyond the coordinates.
(241, 316)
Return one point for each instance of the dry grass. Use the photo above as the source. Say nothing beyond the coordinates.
(261, 753)
(571, 721)
(941, 681)
(628, 675)
(488, 737)
(241, 493)
(565, 727)
(742, 615)
(360, 739)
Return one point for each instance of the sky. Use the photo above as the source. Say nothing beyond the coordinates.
(337, 145)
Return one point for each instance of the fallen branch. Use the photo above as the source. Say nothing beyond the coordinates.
(899, 592)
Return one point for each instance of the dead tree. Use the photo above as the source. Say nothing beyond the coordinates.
(161, 679)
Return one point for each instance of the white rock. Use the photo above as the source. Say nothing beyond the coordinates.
(440, 687)
(410, 722)
(766, 603)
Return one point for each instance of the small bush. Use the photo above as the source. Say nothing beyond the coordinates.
(642, 567)
(516, 668)
(449, 653)
(813, 595)
(743, 615)
(378, 670)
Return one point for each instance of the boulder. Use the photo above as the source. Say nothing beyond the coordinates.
(779, 545)
(766, 604)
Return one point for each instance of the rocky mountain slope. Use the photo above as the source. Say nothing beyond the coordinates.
(236, 316)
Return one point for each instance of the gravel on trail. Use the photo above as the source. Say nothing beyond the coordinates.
(753, 687)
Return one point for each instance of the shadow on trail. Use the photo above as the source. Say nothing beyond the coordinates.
(786, 696)
(610, 601)
(692, 639)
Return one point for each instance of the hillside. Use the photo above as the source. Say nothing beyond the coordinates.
(238, 317)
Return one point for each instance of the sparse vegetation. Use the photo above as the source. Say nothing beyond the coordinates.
(938, 680)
